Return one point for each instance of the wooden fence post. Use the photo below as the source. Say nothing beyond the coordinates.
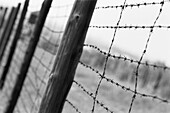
(67, 57)
(6, 25)
(8, 32)
(28, 56)
(3, 17)
(14, 44)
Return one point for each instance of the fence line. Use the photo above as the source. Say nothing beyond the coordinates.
(14, 44)
(124, 58)
(122, 86)
(28, 56)
(8, 30)
(7, 24)
(131, 27)
(133, 5)
(31, 68)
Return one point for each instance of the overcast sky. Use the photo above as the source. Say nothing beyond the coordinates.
(129, 40)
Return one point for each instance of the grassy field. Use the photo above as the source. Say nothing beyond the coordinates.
(115, 98)
(151, 81)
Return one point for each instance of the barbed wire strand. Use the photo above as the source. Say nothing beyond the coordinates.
(132, 5)
(40, 63)
(53, 31)
(124, 58)
(130, 27)
(105, 65)
(106, 54)
(92, 96)
(45, 73)
(122, 86)
(73, 106)
(38, 94)
(147, 43)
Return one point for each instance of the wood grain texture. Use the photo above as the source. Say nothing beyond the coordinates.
(67, 57)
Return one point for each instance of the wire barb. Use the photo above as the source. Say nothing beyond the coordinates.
(138, 5)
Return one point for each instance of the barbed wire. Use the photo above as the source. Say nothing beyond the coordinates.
(47, 69)
(51, 30)
(122, 86)
(27, 101)
(130, 27)
(141, 58)
(92, 96)
(124, 58)
(40, 80)
(132, 5)
(73, 106)
(106, 60)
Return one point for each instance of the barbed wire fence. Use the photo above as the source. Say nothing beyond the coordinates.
(93, 90)
(42, 60)
(93, 95)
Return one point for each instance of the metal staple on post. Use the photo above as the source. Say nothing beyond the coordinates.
(13, 45)
(28, 56)
(67, 57)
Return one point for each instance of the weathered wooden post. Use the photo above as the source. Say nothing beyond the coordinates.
(28, 56)
(3, 17)
(6, 25)
(8, 32)
(67, 57)
(14, 44)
